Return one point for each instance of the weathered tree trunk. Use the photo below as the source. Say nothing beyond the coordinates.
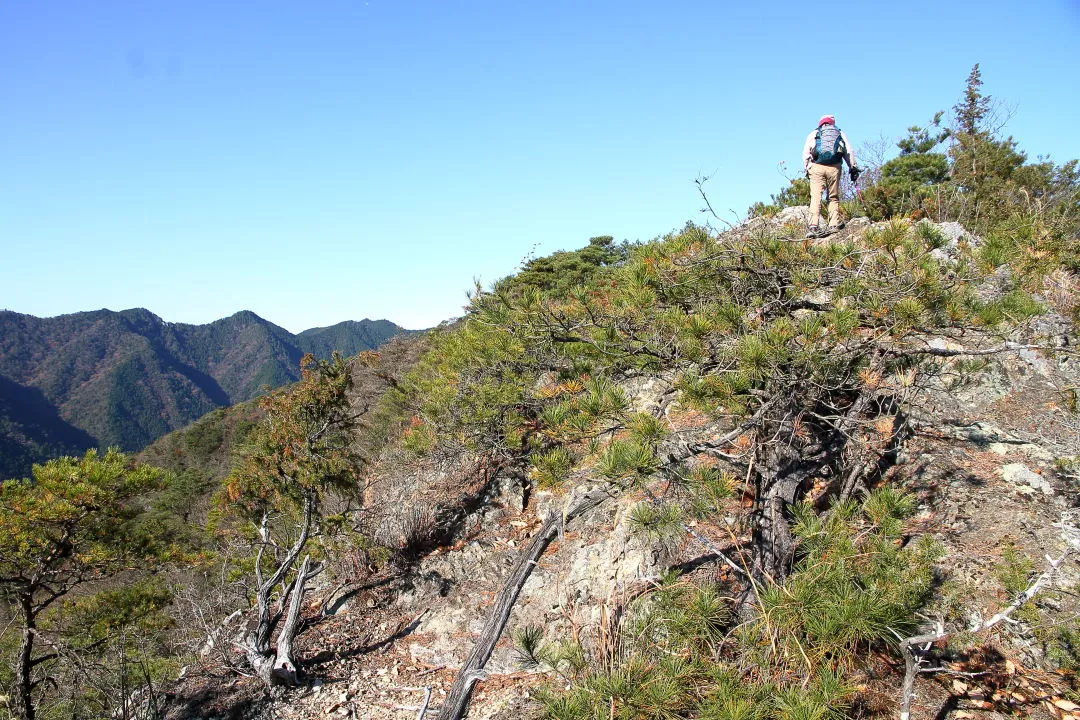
(24, 665)
(854, 466)
(284, 667)
(781, 471)
(792, 456)
(275, 666)
(457, 702)
(262, 663)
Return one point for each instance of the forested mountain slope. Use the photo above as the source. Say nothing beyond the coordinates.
(125, 378)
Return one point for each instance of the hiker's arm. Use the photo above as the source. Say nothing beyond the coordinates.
(807, 147)
(849, 151)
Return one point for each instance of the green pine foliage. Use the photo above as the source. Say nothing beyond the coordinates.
(909, 184)
(74, 524)
(123, 639)
(682, 654)
(626, 461)
(1064, 648)
(1016, 572)
(853, 587)
(552, 468)
(660, 521)
(559, 272)
(709, 488)
(471, 382)
(748, 326)
(729, 315)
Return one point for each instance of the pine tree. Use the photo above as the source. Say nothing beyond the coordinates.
(907, 184)
(68, 526)
(982, 165)
(972, 110)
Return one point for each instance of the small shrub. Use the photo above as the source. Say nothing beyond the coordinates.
(602, 400)
(553, 467)
(1064, 649)
(931, 237)
(1015, 572)
(646, 429)
(853, 587)
(997, 250)
(887, 508)
(1020, 306)
(656, 521)
(709, 487)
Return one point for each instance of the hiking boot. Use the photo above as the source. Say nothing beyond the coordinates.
(838, 226)
(815, 231)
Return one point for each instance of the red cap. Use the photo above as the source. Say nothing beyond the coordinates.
(826, 120)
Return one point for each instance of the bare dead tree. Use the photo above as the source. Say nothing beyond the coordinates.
(916, 648)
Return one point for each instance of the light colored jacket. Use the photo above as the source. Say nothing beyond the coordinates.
(808, 147)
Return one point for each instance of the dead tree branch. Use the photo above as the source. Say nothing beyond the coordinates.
(910, 647)
(457, 702)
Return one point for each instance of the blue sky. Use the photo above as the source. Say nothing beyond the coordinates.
(325, 161)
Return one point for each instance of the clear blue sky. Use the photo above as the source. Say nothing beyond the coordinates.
(323, 161)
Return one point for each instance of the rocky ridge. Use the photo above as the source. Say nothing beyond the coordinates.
(983, 458)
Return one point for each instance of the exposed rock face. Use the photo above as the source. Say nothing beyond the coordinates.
(797, 214)
(955, 233)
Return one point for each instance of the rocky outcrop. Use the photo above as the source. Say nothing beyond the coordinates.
(983, 455)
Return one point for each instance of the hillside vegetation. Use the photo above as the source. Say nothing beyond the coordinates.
(789, 374)
(754, 393)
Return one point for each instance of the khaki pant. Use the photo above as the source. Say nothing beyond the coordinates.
(821, 177)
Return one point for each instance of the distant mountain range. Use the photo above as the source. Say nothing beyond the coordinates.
(104, 378)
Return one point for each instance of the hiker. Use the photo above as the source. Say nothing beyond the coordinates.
(824, 153)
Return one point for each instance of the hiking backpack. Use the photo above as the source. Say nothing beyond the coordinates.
(829, 148)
